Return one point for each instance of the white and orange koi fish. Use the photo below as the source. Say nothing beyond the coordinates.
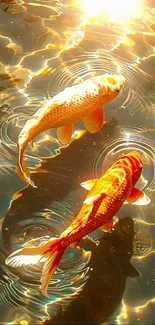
(83, 101)
(106, 196)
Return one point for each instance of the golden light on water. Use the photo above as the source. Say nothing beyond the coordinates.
(115, 10)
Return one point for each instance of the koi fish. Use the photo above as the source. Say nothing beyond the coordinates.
(83, 101)
(106, 196)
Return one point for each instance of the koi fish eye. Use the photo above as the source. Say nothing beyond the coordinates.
(117, 90)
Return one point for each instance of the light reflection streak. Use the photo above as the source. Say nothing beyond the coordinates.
(119, 11)
(127, 311)
(123, 316)
(140, 258)
(140, 308)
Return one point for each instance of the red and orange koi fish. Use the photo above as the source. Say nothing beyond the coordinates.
(83, 101)
(106, 196)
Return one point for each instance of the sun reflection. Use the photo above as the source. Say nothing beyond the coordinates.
(123, 314)
(120, 9)
(121, 319)
(148, 303)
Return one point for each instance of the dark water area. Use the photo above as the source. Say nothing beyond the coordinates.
(46, 46)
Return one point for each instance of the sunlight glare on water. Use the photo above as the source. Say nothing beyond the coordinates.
(116, 10)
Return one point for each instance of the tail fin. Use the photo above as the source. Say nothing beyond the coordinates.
(52, 252)
(22, 169)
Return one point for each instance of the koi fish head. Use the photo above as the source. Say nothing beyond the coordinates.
(133, 160)
(111, 86)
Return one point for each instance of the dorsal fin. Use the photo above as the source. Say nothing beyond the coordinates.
(89, 184)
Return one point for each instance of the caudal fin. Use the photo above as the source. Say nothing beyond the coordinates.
(22, 169)
(49, 253)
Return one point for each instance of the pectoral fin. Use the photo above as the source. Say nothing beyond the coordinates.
(95, 201)
(138, 197)
(92, 199)
(64, 133)
(95, 120)
(89, 184)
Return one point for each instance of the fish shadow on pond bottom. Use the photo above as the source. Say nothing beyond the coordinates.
(110, 265)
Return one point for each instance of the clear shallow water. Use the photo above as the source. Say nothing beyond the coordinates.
(46, 46)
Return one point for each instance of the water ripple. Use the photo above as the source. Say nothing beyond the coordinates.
(129, 139)
(21, 285)
(77, 65)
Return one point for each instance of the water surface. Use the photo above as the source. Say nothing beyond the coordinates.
(46, 46)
